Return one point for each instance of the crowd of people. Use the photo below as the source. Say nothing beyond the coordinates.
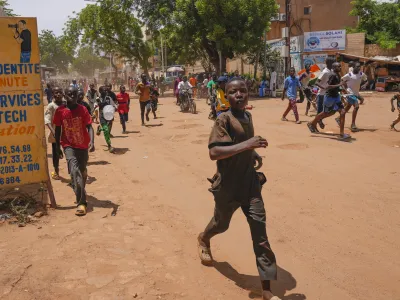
(237, 182)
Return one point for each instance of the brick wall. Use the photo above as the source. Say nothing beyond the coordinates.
(374, 50)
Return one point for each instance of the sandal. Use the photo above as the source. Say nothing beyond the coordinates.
(345, 137)
(205, 255)
(55, 176)
(312, 128)
(284, 119)
(321, 124)
(354, 128)
(81, 210)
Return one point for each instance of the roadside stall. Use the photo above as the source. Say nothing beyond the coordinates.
(383, 75)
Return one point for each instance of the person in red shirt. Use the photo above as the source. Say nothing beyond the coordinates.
(123, 107)
(75, 134)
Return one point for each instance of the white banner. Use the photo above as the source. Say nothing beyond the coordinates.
(331, 40)
(296, 44)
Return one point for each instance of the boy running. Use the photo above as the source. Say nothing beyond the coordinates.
(397, 98)
(332, 102)
(322, 83)
(353, 81)
(305, 91)
(123, 107)
(237, 184)
(48, 120)
(143, 90)
(291, 85)
(104, 126)
(74, 133)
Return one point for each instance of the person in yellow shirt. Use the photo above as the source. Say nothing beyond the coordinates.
(222, 104)
(143, 90)
(193, 82)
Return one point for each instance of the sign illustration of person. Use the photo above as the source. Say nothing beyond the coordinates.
(23, 36)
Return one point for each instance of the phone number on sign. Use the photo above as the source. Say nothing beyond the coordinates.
(10, 180)
(14, 159)
(15, 149)
(19, 169)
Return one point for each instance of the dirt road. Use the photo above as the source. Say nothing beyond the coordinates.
(332, 215)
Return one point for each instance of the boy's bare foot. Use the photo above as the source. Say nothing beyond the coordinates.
(267, 295)
(204, 251)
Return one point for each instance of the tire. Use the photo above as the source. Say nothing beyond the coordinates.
(182, 106)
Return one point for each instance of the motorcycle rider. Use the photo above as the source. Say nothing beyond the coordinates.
(182, 86)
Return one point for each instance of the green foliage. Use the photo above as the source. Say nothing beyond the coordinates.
(8, 11)
(53, 52)
(379, 20)
(87, 61)
(200, 28)
(110, 27)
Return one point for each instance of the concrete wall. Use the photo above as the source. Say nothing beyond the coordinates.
(374, 50)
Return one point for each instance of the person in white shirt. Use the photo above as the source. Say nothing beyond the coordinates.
(352, 82)
(272, 83)
(184, 85)
(322, 83)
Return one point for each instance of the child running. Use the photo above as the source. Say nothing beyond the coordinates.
(352, 82)
(91, 96)
(48, 120)
(291, 85)
(237, 184)
(332, 102)
(123, 107)
(104, 126)
(74, 133)
(395, 98)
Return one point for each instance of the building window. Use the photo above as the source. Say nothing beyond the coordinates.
(307, 10)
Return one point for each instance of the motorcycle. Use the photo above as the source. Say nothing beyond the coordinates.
(187, 102)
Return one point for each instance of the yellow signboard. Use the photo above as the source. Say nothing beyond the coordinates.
(22, 135)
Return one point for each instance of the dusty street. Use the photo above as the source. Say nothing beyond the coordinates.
(332, 215)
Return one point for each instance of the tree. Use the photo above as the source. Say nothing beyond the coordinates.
(87, 61)
(53, 52)
(257, 58)
(8, 11)
(197, 28)
(110, 27)
(379, 20)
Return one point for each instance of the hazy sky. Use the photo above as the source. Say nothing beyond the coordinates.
(51, 14)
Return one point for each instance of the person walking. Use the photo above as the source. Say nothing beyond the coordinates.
(75, 134)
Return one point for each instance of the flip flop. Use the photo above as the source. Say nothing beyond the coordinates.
(284, 119)
(311, 128)
(354, 129)
(55, 176)
(205, 255)
(275, 298)
(321, 124)
(81, 210)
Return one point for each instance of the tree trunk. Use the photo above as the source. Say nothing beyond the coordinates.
(256, 64)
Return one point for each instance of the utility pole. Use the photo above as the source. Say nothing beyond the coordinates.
(287, 12)
(265, 54)
(162, 54)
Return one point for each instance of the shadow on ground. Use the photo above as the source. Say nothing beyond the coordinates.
(285, 282)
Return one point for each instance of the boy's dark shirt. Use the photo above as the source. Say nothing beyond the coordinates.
(236, 179)
(334, 79)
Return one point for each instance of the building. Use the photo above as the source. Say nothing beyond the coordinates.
(312, 15)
